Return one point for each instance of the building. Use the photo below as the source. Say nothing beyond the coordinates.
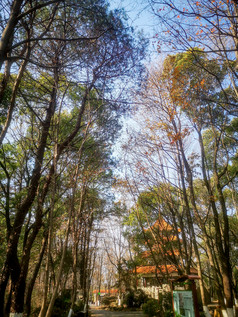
(154, 280)
(162, 250)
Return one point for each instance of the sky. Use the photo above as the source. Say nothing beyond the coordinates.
(140, 18)
(139, 15)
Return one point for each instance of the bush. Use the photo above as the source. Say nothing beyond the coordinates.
(129, 299)
(108, 300)
(151, 307)
(117, 308)
(141, 297)
(135, 299)
(165, 304)
(35, 312)
(78, 308)
(62, 304)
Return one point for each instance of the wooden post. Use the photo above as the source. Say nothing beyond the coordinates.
(195, 298)
(172, 289)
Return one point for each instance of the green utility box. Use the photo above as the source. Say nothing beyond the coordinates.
(183, 303)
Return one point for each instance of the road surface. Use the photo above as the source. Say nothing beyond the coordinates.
(98, 312)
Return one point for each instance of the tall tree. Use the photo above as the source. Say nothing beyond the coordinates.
(201, 25)
(55, 68)
(181, 102)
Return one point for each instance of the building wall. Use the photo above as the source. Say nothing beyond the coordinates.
(154, 291)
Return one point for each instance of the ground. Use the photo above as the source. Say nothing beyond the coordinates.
(98, 312)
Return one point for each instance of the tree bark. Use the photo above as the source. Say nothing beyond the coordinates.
(9, 30)
(34, 276)
(12, 261)
(180, 149)
(223, 252)
(55, 292)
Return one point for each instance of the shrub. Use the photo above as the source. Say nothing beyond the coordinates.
(141, 297)
(35, 312)
(151, 307)
(108, 300)
(63, 303)
(129, 299)
(78, 308)
(135, 299)
(165, 304)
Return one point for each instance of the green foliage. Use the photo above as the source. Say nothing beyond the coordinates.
(6, 98)
(78, 307)
(35, 312)
(134, 299)
(165, 304)
(108, 300)
(62, 304)
(151, 307)
(195, 81)
(62, 106)
(117, 308)
(236, 280)
(3, 244)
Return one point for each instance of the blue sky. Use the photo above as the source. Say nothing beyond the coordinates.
(140, 18)
(139, 15)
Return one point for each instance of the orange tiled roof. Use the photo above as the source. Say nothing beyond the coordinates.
(106, 291)
(150, 269)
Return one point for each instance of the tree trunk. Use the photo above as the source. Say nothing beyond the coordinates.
(18, 277)
(180, 149)
(222, 238)
(55, 292)
(34, 276)
(50, 237)
(14, 95)
(4, 280)
(7, 33)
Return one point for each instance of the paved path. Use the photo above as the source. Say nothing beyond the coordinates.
(105, 313)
